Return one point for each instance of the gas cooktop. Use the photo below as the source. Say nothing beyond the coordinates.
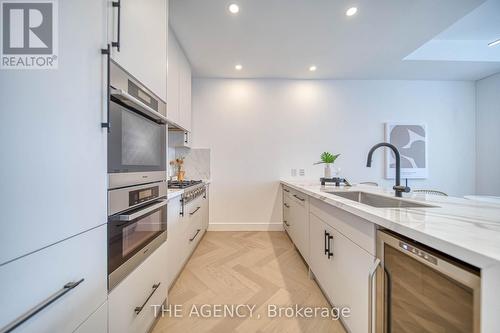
(183, 184)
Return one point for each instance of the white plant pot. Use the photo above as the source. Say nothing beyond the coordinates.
(328, 170)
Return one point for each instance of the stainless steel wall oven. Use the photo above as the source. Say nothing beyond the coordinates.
(137, 225)
(137, 132)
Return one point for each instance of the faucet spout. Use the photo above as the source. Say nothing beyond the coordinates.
(397, 187)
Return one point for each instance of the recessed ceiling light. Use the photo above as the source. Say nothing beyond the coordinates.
(497, 42)
(351, 11)
(238, 67)
(234, 8)
(312, 68)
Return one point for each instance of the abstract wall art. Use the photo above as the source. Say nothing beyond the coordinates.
(411, 141)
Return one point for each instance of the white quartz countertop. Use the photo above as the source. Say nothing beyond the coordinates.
(465, 229)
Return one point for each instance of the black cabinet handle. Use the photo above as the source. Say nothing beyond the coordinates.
(286, 190)
(327, 243)
(330, 253)
(295, 195)
(185, 137)
(196, 234)
(192, 213)
(181, 213)
(117, 4)
(107, 52)
(138, 309)
(286, 205)
(32, 312)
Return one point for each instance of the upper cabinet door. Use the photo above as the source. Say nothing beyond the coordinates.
(140, 29)
(185, 93)
(174, 52)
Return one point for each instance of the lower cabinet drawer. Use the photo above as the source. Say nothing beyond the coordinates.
(97, 322)
(40, 277)
(195, 231)
(131, 302)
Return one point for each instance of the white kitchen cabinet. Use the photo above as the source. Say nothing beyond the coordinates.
(179, 85)
(177, 227)
(296, 214)
(195, 230)
(33, 279)
(131, 302)
(97, 322)
(174, 55)
(179, 138)
(319, 262)
(141, 29)
(184, 232)
(205, 209)
(185, 93)
(53, 171)
(342, 268)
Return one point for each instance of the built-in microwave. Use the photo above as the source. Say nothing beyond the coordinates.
(137, 132)
(137, 225)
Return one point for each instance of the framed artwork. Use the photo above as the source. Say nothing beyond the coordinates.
(411, 141)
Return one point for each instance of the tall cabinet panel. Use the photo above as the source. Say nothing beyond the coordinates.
(179, 85)
(140, 29)
(173, 111)
(53, 170)
(185, 93)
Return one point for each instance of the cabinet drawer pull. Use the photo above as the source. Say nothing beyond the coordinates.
(193, 212)
(301, 199)
(107, 52)
(196, 234)
(117, 4)
(326, 242)
(138, 309)
(185, 137)
(286, 205)
(330, 253)
(286, 190)
(29, 314)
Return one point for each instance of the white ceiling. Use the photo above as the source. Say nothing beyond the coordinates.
(467, 39)
(282, 38)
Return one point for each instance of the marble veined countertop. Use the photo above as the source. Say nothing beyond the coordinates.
(465, 229)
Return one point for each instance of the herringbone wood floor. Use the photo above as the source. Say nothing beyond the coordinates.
(258, 268)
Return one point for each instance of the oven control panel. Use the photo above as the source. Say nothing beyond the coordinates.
(142, 195)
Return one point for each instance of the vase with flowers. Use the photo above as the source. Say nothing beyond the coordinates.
(178, 164)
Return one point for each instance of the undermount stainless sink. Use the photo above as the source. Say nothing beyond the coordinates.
(379, 201)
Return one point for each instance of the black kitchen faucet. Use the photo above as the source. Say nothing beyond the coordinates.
(398, 188)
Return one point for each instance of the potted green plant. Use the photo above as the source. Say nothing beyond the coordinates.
(328, 159)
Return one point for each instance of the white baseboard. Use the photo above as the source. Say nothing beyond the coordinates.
(245, 227)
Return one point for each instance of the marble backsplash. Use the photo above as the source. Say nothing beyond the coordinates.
(196, 162)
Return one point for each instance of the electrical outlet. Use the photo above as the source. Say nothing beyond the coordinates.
(302, 172)
(294, 172)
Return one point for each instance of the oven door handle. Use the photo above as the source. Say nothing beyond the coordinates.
(138, 105)
(140, 213)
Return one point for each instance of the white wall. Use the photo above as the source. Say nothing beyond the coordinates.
(488, 135)
(259, 129)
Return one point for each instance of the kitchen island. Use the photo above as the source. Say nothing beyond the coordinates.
(466, 230)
